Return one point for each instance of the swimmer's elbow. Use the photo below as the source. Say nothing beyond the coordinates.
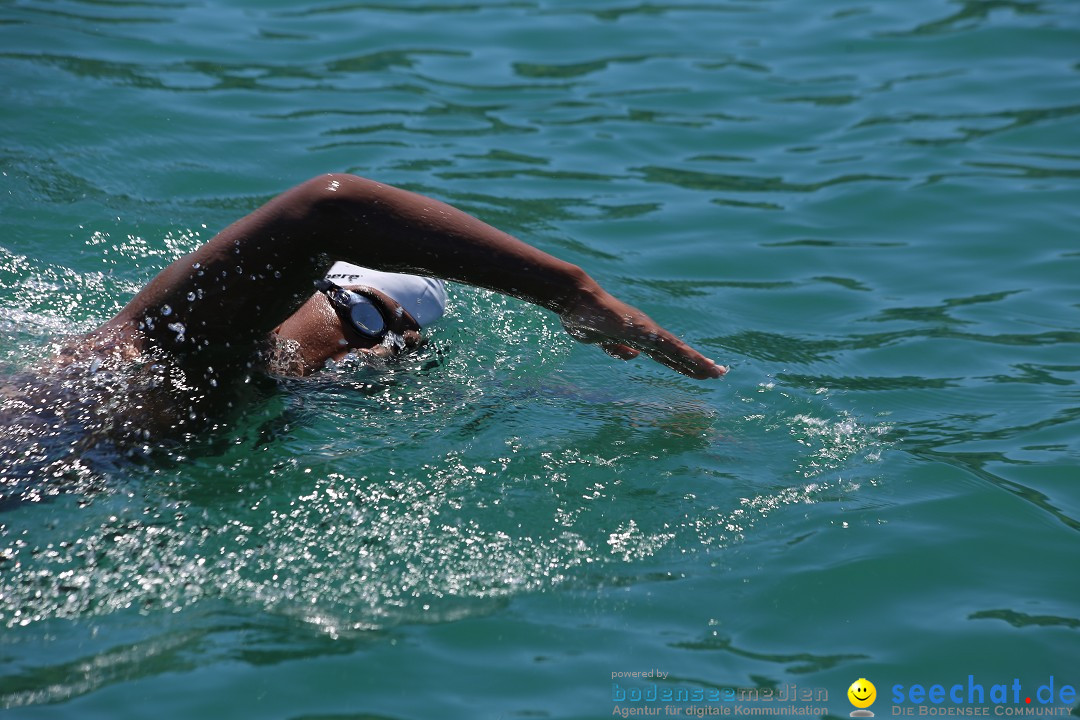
(333, 193)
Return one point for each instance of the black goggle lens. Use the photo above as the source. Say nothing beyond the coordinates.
(366, 317)
(368, 320)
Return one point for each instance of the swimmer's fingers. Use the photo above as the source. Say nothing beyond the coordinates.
(623, 330)
(620, 351)
(677, 355)
(412, 338)
(378, 351)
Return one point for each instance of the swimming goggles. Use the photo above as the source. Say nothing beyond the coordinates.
(364, 311)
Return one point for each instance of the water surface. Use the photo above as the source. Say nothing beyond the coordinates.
(867, 209)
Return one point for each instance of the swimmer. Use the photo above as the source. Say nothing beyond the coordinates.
(336, 265)
(255, 279)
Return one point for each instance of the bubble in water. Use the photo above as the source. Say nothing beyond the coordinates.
(393, 341)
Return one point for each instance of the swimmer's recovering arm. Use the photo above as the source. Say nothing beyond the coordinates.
(235, 289)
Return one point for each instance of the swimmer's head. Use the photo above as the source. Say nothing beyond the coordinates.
(323, 329)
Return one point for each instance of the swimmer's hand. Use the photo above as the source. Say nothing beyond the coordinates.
(409, 341)
(624, 332)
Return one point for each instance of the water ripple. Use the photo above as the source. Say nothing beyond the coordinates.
(868, 209)
(697, 180)
(973, 14)
(1011, 120)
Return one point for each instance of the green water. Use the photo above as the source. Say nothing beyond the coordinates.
(867, 209)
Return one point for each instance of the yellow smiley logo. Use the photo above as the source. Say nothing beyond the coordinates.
(862, 693)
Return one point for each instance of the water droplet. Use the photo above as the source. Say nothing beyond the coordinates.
(393, 341)
(166, 310)
(191, 297)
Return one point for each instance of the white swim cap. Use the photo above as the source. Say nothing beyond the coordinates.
(423, 298)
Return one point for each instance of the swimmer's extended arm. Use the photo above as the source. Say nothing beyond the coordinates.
(235, 289)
